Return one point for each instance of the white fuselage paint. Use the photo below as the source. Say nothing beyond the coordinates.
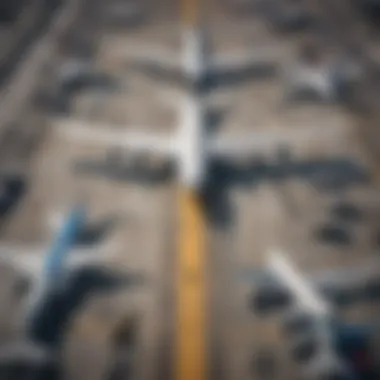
(309, 300)
(195, 54)
(189, 146)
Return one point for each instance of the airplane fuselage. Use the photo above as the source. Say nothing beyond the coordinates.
(63, 241)
(195, 55)
(54, 260)
(190, 144)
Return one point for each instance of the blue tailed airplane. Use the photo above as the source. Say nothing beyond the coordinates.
(51, 275)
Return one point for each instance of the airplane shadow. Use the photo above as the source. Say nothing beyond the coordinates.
(94, 233)
(51, 321)
(330, 175)
(214, 118)
(265, 70)
(120, 171)
(60, 100)
(15, 188)
(333, 234)
(347, 212)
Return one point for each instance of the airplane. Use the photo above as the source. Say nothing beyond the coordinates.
(50, 275)
(311, 77)
(192, 148)
(341, 286)
(307, 82)
(73, 75)
(197, 66)
(309, 313)
(307, 299)
(93, 233)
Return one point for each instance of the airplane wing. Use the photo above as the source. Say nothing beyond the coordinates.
(262, 62)
(259, 141)
(350, 277)
(304, 290)
(30, 261)
(123, 171)
(26, 260)
(308, 298)
(350, 283)
(103, 134)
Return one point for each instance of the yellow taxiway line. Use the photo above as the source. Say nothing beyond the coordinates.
(190, 12)
(190, 362)
(190, 349)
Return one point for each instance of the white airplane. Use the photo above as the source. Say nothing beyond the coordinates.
(344, 284)
(197, 64)
(29, 259)
(308, 299)
(312, 81)
(191, 147)
(48, 274)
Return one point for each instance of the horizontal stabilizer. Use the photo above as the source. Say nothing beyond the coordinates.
(144, 142)
(259, 141)
(121, 171)
(259, 60)
(30, 260)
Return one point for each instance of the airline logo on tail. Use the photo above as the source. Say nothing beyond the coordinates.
(63, 242)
